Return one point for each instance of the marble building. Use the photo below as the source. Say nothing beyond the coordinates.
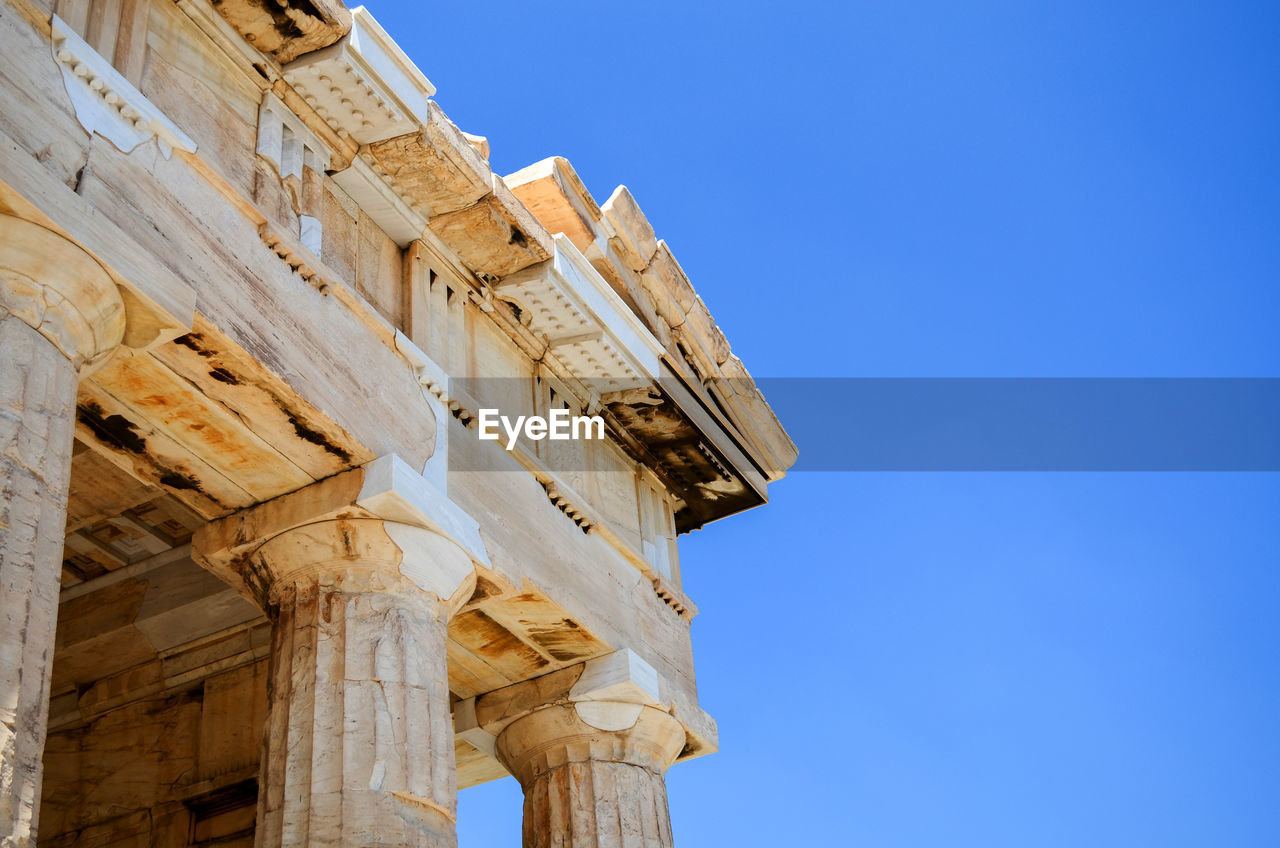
(260, 581)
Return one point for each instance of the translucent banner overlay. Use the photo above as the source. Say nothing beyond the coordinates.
(1030, 424)
(969, 424)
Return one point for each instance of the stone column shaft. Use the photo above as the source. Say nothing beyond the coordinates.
(358, 749)
(359, 745)
(58, 310)
(37, 423)
(595, 803)
(585, 787)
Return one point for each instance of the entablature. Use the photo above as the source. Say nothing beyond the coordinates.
(602, 304)
(605, 301)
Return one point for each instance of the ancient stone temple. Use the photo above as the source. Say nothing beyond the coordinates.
(267, 575)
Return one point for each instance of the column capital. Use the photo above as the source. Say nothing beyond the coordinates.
(556, 735)
(380, 526)
(590, 746)
(53, 285)
(359, 554)
(606, 709)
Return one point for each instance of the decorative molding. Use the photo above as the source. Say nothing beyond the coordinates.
(562, 496)
(364, 86)
(591, 331)
(565, 503)
(713, 460)
(107, 103)
(292, 253)
(433, 379)
(672, 596)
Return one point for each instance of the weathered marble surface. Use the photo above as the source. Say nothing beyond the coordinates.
(584, 786)
(58, 311)
(37, 399)
(359, 745)
(154, 770)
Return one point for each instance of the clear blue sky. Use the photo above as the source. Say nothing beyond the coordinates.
(945, 189)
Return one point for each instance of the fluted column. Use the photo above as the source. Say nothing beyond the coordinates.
(358, 749)
(587, 787)
(58, 311)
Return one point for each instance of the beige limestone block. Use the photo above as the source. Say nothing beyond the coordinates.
(633, 234)
(667, 286)
(287, 28)
(496, 236)
(436, 170)
(556, 196)
(479, 143)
